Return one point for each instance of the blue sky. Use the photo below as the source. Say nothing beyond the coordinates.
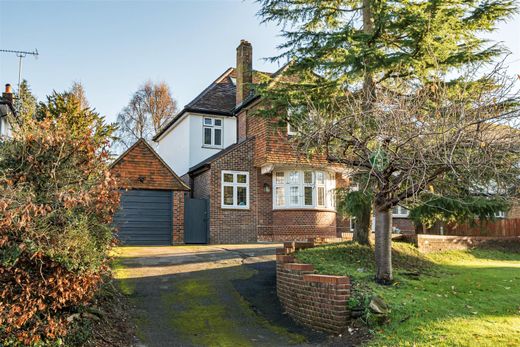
(112, 47)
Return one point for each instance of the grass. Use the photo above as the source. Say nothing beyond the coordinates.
(455, 298)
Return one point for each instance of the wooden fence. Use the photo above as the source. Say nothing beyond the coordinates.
(501, 227)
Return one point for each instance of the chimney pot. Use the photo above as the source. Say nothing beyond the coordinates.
(8, 94)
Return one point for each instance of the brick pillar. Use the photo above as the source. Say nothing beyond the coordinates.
(178, 216)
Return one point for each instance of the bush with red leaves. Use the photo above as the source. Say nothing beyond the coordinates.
(57, 199)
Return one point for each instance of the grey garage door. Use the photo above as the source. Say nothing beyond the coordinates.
(145, 217)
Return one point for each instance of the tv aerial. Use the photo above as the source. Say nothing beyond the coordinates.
(20, 55)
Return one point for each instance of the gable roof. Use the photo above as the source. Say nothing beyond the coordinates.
(219, 98)
(154, 169)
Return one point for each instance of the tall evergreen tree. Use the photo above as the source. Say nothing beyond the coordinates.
(357, 48)
(25, 102)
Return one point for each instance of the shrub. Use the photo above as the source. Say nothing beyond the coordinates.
(57, 199)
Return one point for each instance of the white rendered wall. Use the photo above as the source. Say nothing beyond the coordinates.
(181, 147)
(173, 147)
(5, 128)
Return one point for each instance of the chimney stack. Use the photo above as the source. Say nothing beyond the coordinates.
(8, 94)
(244, 70)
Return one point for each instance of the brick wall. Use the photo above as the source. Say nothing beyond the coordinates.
(178, 216)
(405, 225)
(201, 187)
(436, 243)
(233, 225)
(317, 301)
(273, 143)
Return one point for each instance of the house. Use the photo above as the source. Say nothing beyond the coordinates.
(259, 188)
(6, 111)
(247, 181)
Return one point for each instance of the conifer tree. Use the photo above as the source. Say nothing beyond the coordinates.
(359, 48)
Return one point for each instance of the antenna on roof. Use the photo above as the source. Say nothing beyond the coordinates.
(20, 55)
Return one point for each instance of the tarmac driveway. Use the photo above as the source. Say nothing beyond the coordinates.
(222, 295)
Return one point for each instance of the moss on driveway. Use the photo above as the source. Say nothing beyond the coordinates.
(184, 296)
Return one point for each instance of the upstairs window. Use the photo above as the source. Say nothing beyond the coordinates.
(235, 189)
(400, 211)
(212, 132)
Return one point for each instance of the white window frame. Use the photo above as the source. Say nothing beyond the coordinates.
(212, 127)
(500, 214)
(290, 130)
(328, 186)
(235, 185)
(400, 212)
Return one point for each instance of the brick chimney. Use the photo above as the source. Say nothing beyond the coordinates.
(244, 70)
(8, 94)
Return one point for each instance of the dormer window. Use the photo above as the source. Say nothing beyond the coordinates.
(212, 132)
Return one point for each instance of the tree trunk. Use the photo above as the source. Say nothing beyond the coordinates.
(383, 248)
(362, 227)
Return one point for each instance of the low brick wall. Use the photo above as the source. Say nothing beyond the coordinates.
(435, 243)
(317, 301)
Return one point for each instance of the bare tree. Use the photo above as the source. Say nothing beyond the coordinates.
(150, 107)
(78, 91)
(410, 142)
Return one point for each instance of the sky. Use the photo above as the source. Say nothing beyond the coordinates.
(112, 47)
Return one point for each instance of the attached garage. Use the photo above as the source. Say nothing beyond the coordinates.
(151, 210)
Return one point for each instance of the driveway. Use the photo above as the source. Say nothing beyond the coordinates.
(222, 295)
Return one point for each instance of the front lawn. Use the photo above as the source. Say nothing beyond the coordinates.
(455, 298)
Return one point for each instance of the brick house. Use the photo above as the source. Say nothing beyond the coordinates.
(259, 188)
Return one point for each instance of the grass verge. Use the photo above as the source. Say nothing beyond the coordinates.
(455, 298)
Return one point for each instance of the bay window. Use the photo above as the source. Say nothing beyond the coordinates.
(235, 189)
(303, 189)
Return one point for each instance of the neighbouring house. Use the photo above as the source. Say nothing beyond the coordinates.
(152, 198)
(7, 111)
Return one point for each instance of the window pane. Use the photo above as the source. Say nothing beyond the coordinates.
(241, 196)
(280, 178)
(207, 136)
(395, 210)
(321, 196)
(228, 195)
(218, 137)
(208, 121)
(228, 177)
(294, 177)
(320, 178)
(307, 177)
(308, 196)
(241, 178)
(404, 211)
(294, 196)
(218, 122)
(280, 196)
